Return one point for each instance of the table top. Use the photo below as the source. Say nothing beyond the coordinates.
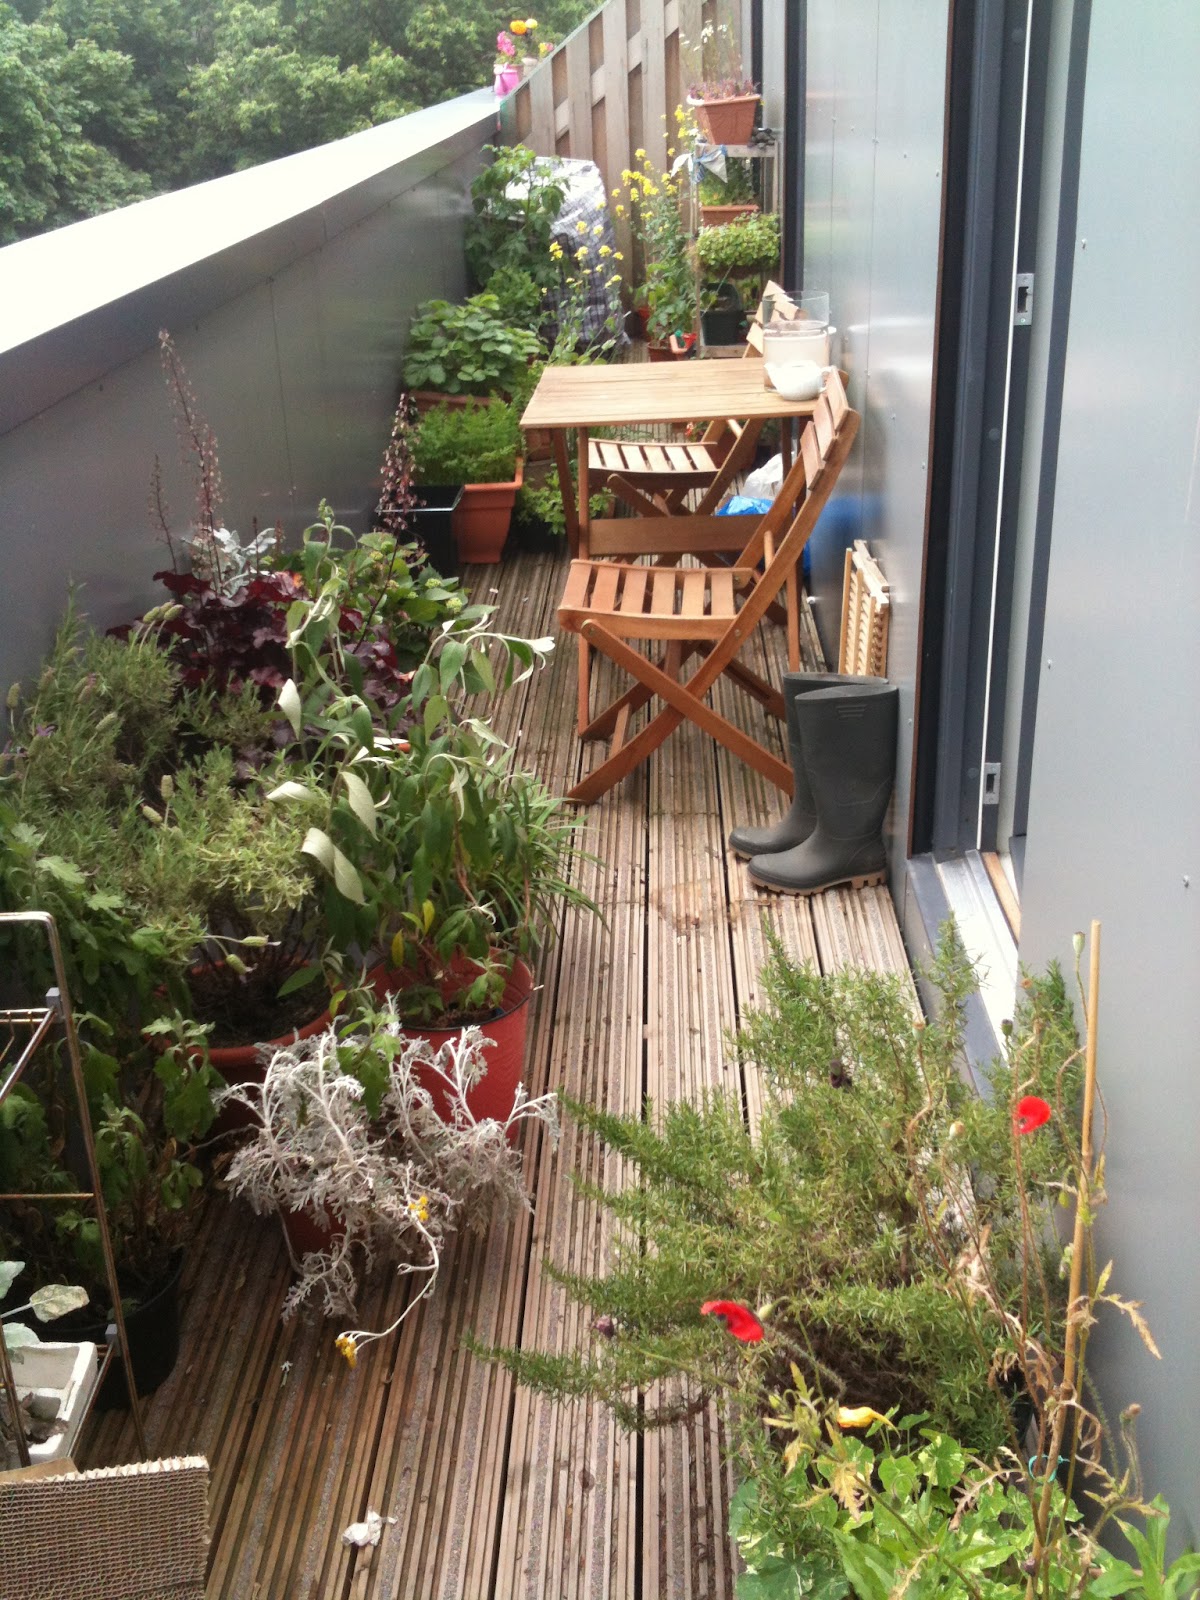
(601, 396)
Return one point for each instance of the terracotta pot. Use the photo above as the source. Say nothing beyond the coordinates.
(728, 121)
(482, 517)
(714, 216)
(495, 1093)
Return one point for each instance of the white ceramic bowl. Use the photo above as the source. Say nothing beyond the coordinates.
(796, 380)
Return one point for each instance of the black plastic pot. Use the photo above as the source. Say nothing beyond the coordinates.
(725, 322)
(431, 524)
(153, 1330)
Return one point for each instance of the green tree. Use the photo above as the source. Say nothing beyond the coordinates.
(60, 104)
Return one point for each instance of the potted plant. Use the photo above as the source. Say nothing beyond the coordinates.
(507, 71)
(723, 319)
(438, 853)
(54, 1381)
(725, 199)
(477, 446)
(724, 100)
(668, 289)
(467, 349)
(349, 1138)
(516, 200)
(747, 249)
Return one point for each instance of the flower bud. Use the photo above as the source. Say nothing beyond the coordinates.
(1077, 941)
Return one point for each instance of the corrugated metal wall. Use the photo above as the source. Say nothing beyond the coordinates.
(1114, 820)
(873, 195)
(288, 290)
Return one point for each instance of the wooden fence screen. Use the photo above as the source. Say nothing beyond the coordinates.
(611, 88)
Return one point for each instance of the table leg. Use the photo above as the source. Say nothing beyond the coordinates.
(585, 494)
(562, 463)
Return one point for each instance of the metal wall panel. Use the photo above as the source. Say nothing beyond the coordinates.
(876, 97)
(1114, 820)
(292, 334)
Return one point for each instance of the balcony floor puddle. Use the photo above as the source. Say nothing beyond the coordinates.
(496, 1492)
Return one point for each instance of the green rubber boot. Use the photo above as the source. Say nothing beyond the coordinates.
(848, 744)
(801, 818)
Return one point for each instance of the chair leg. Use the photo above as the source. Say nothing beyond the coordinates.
(682, 705)
(604, 725)
(583, 687)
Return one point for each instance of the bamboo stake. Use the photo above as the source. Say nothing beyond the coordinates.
(1082, 1211)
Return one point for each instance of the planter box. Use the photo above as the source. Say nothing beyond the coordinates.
(482, 519)
(725, 322)
(57, 1382)
(714, 216)
(433, 522)
(726, 121)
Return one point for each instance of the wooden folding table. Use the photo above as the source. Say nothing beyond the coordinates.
(596, 396)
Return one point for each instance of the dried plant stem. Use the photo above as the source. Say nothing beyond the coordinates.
(1074, 1332)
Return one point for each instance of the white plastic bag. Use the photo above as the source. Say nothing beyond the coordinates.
(763, 483)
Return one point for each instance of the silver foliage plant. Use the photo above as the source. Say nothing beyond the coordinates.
(389, 1186)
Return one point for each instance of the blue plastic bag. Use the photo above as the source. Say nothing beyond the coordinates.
(743, 505)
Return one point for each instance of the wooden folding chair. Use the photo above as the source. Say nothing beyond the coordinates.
(655, 477)
(707, 611)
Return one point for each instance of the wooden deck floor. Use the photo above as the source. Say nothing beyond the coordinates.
(495, 1492)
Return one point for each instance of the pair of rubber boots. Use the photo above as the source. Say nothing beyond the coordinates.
(842, 746)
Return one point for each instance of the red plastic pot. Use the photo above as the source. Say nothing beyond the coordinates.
(496, 1092)
(482, 517)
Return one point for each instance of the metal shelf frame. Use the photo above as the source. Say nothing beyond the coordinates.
(41, 1022)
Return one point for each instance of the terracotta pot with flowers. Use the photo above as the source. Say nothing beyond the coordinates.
(724, 100)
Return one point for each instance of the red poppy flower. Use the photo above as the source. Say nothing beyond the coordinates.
(1030, 1112)
(740, 1320)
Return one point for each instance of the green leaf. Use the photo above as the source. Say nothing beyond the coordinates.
(56, 1299)
(289, 704)
(360, 801)
(322, 848)
(291, 790)
(9, 1271)
(18, 1337)
(300, 979)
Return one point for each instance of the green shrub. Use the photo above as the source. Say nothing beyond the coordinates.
(476, 443)
(467, 349)
(748, 245)
(520, 299)
(514, 230)
(818, 1214)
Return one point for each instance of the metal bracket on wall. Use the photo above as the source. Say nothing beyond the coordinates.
(1023, 300)
(991, 783)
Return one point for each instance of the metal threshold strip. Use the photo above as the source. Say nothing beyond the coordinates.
(985, 932)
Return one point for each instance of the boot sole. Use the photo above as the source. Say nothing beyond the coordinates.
(857, 880)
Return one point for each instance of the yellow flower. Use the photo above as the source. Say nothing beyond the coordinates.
(605, 250)
(346, 1346)
(640, 154)
(620, 211)
(617, 256)
(419, 1208)
(859, 1417)
(517, 26)
(581, 253)
(599, 228)
(556, 249)
(531, 23)
(581, 227)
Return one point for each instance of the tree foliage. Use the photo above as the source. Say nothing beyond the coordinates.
(107, 101)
